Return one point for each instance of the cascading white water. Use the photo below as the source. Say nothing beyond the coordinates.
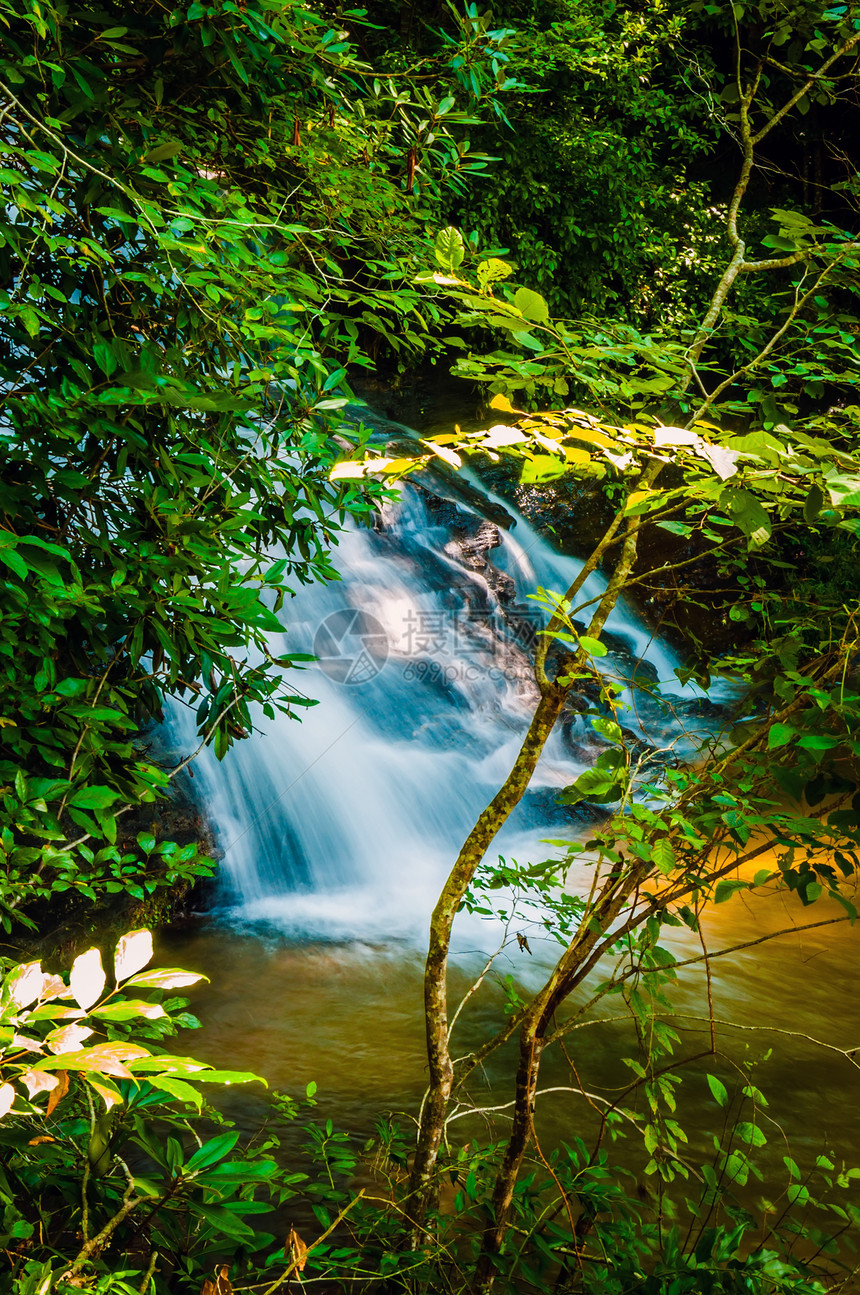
(344, 824)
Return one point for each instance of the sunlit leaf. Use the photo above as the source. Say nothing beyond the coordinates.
(442, 452)
(450, 249)
(68, 1039)
(26, 983)
(165, 978)
(129, 1010)
(664, 436)
(498, 436)
(107, 1091)
(532, 305)
(723, 461)
(87, 980)
(38, 1081)
(104, 1058)
(349, 470)
(663, 855)
(133, 952)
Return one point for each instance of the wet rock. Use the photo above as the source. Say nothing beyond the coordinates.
(447, 486)
(475, 547)
(471, 549)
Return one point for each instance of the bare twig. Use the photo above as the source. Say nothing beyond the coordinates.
(279, 1281)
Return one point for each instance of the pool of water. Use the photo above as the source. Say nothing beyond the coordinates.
(347, 1015)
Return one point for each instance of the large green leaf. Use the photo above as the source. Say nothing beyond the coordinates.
(450, 249)
(532, 305)
(748, 514)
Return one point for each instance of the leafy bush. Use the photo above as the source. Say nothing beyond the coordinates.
(204, 222)
(106, 1175)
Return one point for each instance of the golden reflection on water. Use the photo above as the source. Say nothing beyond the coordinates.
(348, 1017)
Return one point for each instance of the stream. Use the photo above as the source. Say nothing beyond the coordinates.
(336, 833)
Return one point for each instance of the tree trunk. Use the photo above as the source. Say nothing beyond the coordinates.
(575, 964)
(528, 1069)
(421, 1193)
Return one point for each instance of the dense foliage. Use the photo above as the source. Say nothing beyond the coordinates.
(204, 223)
(621, 153)
(88, 1103)
(681, 464)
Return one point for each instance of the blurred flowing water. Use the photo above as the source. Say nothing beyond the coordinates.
(344, 825)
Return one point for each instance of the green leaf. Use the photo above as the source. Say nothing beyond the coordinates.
(104, 358)
(162, 152)
(531, 305)
(165, 978)
(727, 887)
(850, 908)
(663, 855)
(103, 1058)
(592, 646)
(71, 687)
(780, 735)
(492, 271)
(15, 562)
(791, 782)
(675, 528)
(813, 503)
(129, 1010)
(223, 1221)
(737, 1168)
(719, 1090)
(607, 728)
(94, 798)
(597, 785)
(748, 515)
(212, 1151)
(542, 467)
(229, 1077)
(844, 489)
(751, 1134)
(818, 742)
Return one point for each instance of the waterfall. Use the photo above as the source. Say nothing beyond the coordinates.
(344, 824)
